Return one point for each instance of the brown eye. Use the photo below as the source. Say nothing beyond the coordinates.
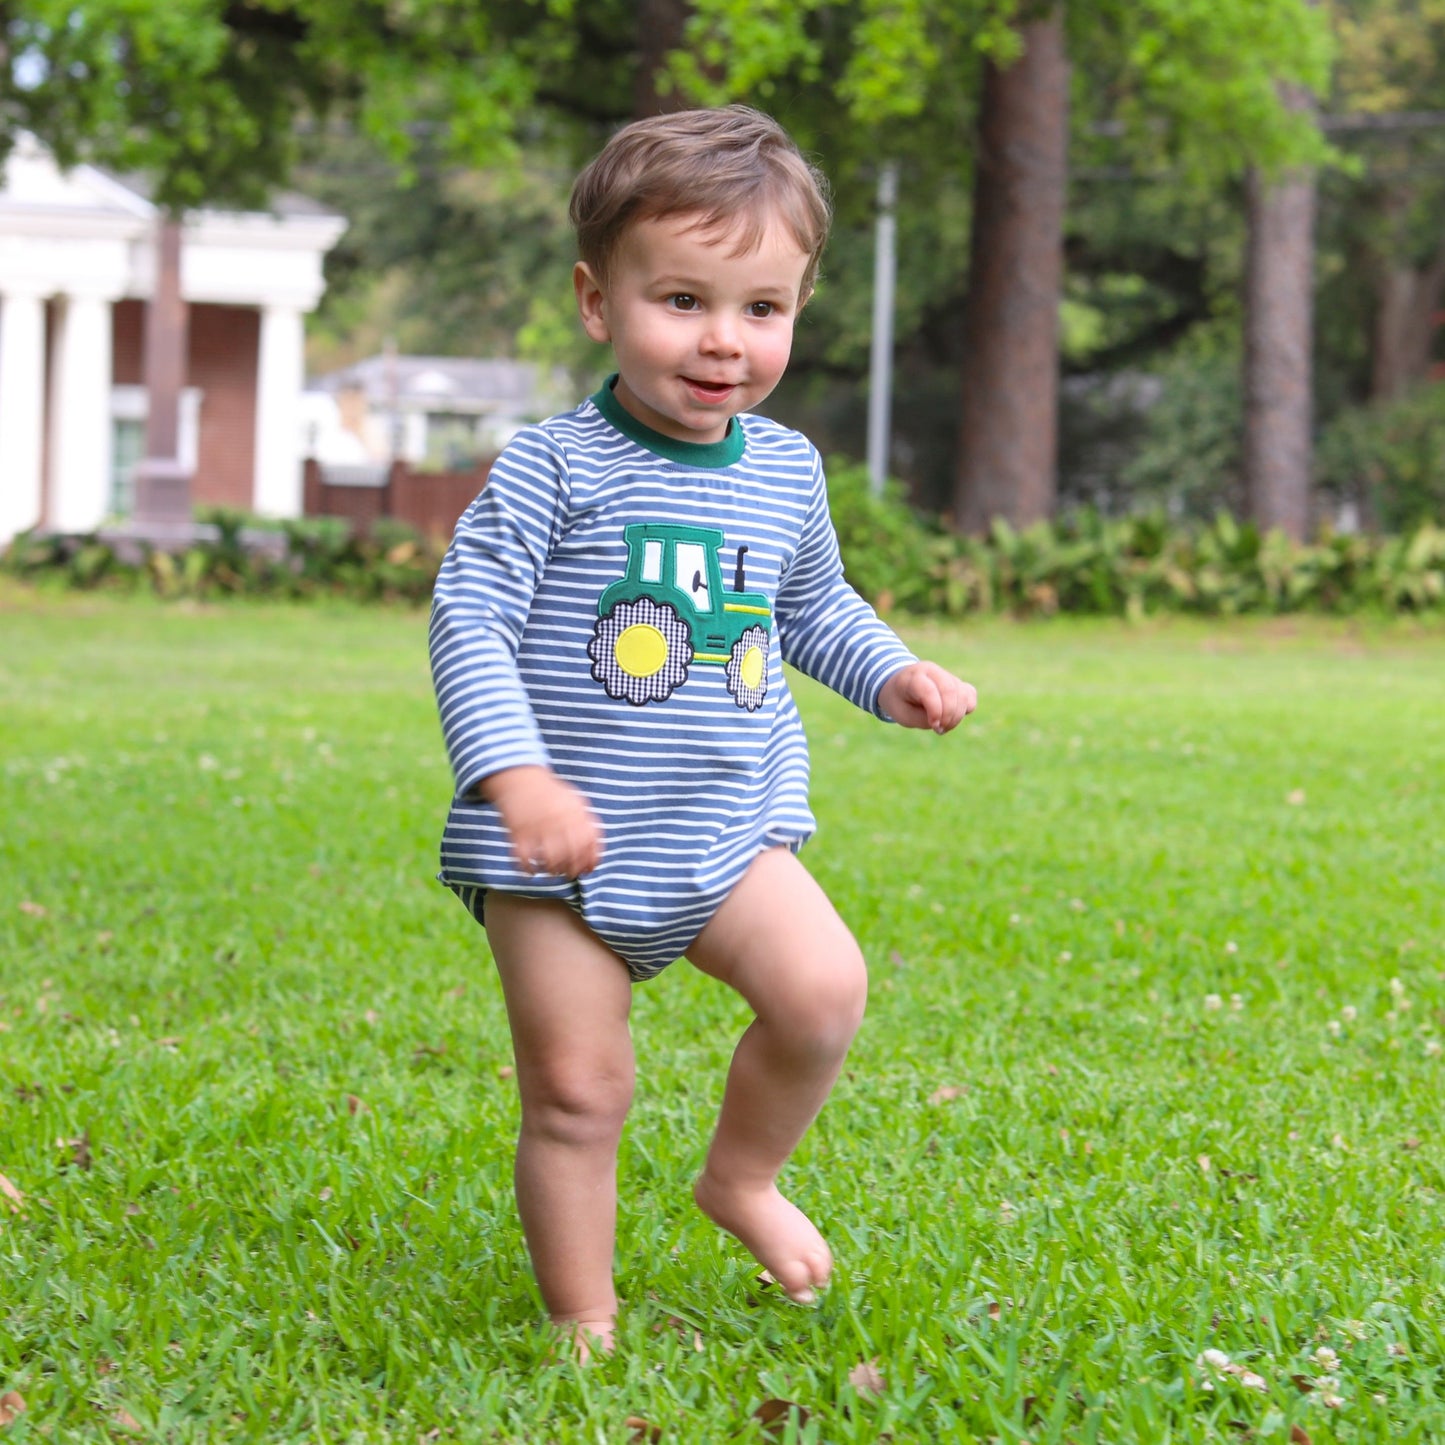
(761, 309)
(683, 302)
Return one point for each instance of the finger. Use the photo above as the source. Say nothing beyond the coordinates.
(929, 697)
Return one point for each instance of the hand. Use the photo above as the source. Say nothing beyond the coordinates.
(923, 695)
(552, 827)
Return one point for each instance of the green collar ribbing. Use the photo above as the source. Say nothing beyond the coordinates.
(694, 454)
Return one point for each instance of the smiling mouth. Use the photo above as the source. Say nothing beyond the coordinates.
(710, 390)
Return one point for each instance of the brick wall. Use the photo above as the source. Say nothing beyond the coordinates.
(221, 360)
(430, 502)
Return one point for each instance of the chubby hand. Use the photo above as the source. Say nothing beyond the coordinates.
(552, 827)
(923, 695)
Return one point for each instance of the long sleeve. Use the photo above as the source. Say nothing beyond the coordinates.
(484, 591)
(825, 628)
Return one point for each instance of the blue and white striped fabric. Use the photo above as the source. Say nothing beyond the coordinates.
(692, 779)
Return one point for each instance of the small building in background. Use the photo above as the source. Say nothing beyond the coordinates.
(435, 413)
(77, 264)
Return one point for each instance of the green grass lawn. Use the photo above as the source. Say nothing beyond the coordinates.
(1152, 1065)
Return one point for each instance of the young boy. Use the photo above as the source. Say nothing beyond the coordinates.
(607, 640)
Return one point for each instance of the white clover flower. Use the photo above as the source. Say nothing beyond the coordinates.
(1251, 1381)
(1432, 1048)
(1334, 1027)
(1213, 1002)
(1397, 989)
(1349, 1013)
(1236, 1002)
(1215, 1359)
(1326, 1358)
(1231, 947)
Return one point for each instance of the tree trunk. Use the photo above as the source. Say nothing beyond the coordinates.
(162, 485)
(661, 27)
(1008, 427)
(1407, 299)
(1278, 454)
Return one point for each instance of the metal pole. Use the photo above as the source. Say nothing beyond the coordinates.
(880, 385)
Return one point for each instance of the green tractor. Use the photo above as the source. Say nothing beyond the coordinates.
(670, 611)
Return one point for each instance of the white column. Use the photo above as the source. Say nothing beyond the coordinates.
(80, 420)
(22, 410)
(280, 377)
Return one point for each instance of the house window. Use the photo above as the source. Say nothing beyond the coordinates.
(129, 408)
(127, 447)
(451, 441)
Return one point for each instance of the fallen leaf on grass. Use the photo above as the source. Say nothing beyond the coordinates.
(13, 1197)
(1411, 1143)
(124, 1420)
(355, 1105)
(425, 1051)
(867, 1378)
(12, 1405)
(640, 1431)
(79, 1147)
(946, 1092)
(1303, 1383)
(505, 1071)
(994, 1309)
(171, 1041)
(1298, 1435)
(33, 910)
(773, 1415)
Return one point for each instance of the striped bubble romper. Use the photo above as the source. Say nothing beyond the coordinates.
(618, 606)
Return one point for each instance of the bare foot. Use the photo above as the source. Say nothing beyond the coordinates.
(587, 1338)
(780, 1236)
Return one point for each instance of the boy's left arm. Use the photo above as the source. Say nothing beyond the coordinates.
(829, 632)
(924, 695)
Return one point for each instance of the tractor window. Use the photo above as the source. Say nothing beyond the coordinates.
(692, 574)
(652, 561)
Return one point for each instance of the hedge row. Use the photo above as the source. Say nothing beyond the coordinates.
(1086, 563)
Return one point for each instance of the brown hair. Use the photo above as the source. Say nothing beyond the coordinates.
(732, 167)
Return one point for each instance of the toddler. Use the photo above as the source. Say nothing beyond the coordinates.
(607, 640)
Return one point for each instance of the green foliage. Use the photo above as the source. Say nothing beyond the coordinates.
(1389, 459)
(304, 558)
(1085, 564)
(1188, 458)
(205, 96)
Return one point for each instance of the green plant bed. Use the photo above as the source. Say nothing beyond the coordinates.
(1085, 564)
(1152, 1065)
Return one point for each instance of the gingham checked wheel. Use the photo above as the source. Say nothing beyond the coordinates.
(640, 651)
(747, 670)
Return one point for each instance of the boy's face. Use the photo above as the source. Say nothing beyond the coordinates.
(699, 333)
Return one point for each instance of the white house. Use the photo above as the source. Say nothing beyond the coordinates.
(77, 263)
(435, 412)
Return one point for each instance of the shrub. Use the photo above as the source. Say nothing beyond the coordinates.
(1388, 459)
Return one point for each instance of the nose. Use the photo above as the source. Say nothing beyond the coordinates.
(721, 336)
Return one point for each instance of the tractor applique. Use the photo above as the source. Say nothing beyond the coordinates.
(670, 611)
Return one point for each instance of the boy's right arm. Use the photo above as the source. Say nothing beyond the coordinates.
(552, 827)
(483, 596)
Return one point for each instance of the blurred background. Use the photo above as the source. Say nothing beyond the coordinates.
(1151, 255)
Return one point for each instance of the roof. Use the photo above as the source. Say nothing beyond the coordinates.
(439, 383)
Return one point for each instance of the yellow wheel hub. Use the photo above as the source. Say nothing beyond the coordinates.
(641, 650)
(751, 670)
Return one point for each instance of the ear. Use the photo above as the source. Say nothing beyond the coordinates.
(589, 302)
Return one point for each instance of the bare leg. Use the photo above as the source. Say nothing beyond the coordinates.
(778, 941)
(568, 997)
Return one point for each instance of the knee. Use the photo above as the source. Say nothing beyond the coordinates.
(576, 1102)
(828, 1008)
